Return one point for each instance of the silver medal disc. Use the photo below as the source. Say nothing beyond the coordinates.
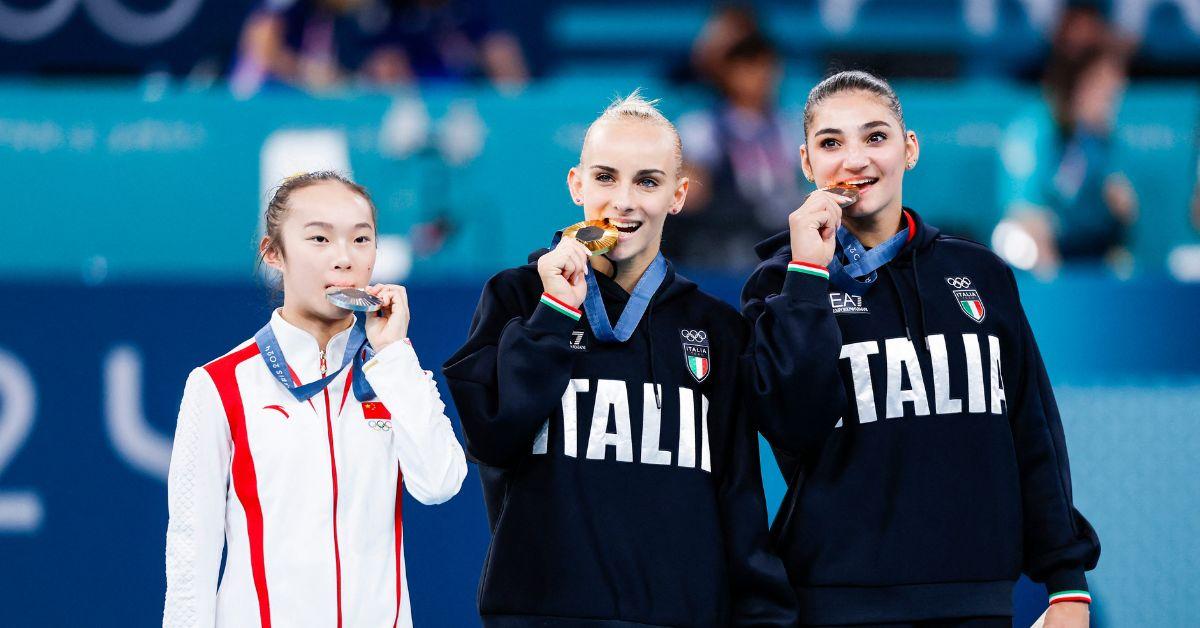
(353, 299)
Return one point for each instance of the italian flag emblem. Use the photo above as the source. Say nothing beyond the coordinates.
(696, 353)
(971, 304)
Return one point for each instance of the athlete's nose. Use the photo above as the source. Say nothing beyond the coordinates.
(622, 200)
(856, 160)
(341, 260)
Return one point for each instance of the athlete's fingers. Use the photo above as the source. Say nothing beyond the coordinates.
(402, 296)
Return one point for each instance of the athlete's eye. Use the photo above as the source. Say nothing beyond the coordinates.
(876, 137)
(648, 182)
(362, 239)
(828, 143)
(604, 177)
(319, 238)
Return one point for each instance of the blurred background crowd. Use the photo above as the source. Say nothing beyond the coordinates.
(1060, 132)
(139, 140)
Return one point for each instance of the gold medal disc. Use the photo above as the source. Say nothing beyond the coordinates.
(599, 236)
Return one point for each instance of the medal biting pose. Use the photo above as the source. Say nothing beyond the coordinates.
(944, 473)
(599, 395)
(291, 450)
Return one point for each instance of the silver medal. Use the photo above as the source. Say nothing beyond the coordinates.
(354, 299)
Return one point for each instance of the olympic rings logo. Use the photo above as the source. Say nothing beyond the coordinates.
(127, 26)
(960, 283)
(693, 336)
(379, 424)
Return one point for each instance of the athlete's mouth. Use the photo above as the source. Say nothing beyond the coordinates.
(860, 183)
(625, 226)
(334, 287)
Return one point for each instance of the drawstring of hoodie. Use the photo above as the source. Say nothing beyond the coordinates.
(900, 297)
(912, 256)
(649, 330)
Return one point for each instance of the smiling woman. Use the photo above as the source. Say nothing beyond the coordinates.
(900, 385)
(255, 473)
(655, 517)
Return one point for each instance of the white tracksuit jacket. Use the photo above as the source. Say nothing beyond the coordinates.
(304, 495)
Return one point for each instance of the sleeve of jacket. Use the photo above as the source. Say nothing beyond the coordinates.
(791, 372)
(1060, 545)
(761, 593)
(196, 494)
(431, 460)
(509, 377)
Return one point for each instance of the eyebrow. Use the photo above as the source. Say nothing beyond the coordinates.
(866, 127)
(642, 172)
(317, 223)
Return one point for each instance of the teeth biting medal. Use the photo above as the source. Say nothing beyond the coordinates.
(353, 299)
(848, 190)
(599, 236)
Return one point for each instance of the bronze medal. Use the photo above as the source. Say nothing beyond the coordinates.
(847, 190)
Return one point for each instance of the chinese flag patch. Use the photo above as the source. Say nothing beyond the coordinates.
(375, 410)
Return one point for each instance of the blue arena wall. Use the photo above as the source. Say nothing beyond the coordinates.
(90, 381)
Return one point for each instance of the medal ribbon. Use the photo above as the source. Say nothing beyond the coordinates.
(357, 353)
(593, 304)
(859, 272)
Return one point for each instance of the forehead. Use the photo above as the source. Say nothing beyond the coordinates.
(328, 201)
(849, 110)
(630, 144)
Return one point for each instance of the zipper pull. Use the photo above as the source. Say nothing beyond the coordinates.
(323, 365)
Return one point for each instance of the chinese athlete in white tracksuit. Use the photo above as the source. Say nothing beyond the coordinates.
(303, 495)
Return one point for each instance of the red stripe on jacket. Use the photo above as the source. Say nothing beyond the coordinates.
(245, 481)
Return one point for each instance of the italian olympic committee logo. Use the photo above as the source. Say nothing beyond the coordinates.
(696, 353)
(968, 300)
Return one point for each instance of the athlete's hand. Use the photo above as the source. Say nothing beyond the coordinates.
(814, 227)
(1067, 615)
(390, 322)
(562, 271)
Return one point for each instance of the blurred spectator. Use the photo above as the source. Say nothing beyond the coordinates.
(1058, 185)
(742, 157)
(726, 26)
(322, 44)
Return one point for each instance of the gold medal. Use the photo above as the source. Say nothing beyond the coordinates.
(599, 236)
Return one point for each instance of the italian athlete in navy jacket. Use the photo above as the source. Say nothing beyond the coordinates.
(944, 476)
(621, 477)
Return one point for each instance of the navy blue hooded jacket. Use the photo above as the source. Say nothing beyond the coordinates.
(610, 505)
(944, 474)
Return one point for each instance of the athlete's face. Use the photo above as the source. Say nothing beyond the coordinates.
(328, 238)
(855, 137)
(627, 173)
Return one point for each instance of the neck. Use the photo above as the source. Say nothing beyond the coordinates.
(321, 329)
(627, 273)
(875, 229)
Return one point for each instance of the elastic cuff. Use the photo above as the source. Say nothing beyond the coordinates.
(1071, 596)
(400, 352)
(806, 281)
(560, 307)
(1067, 581)
(554, 316)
